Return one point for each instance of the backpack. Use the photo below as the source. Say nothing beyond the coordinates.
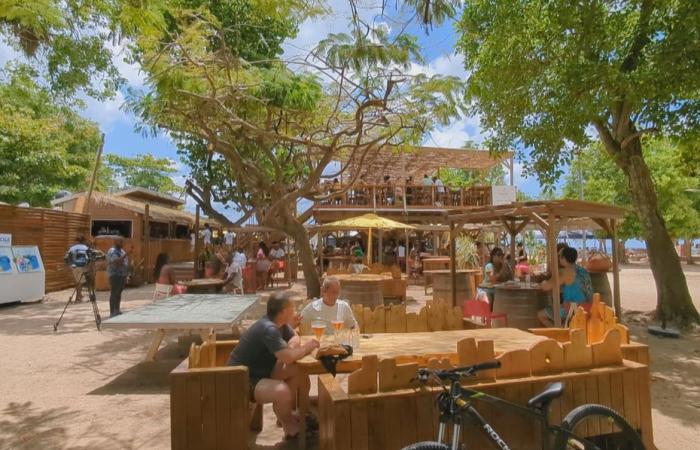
(585, 281)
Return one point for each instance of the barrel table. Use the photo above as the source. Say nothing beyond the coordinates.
(431, 263)
(203, 285)
(521, 303)
(362, 289)
(442, 285)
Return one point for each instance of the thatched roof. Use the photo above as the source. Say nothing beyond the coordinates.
(399, 164)
(156, 213)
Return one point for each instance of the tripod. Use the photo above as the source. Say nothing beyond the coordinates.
(89, 279)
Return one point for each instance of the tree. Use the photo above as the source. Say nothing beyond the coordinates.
(278, 124)
(144, 171)
(44, 146)
(544, 73)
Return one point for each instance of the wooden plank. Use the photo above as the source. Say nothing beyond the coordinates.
(592, 397)
(577, 353)
(396, 319)
(408, 421)
(375, 320)
(377, 432)
(364, 380)
(629, 380)
(617, 390)
(240, 415)
(359, 424)
(393, 376)
(546, 357)
(224, 437)
(608, 351)
(515, 363)
(579, 394)
(426, 426)
(605, 399)
(178, 412)
(392, 423)
(644, 397)
(194, 412)
(342, 434)
(208, 402)
(416, 323)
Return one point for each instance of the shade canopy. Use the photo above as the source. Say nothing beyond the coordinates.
(364, 221)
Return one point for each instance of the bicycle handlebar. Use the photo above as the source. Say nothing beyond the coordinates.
(458, 372)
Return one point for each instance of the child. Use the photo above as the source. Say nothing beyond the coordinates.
(358, 266)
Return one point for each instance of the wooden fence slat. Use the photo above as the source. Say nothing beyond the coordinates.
(223, 412)
(643, 388)
(178, 409)
(360, 425)
(208, 402)
(375, 417)
(605, 399)
(194, 413)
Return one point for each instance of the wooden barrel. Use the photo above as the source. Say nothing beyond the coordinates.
(365, 290)
(601, 285)
(442, 287)
(521, 305)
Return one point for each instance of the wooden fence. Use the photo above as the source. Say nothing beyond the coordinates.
(52, 231)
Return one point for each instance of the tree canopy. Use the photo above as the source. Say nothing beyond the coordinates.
(143, 170)
(545, 75)
(44, 146)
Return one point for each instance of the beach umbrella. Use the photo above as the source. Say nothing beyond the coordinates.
(369, 222)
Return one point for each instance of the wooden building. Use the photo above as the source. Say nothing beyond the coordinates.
(129, 214)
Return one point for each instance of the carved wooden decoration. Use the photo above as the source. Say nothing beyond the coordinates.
(364, 379)
(374, 320)
(608, 352)
(395, 318)
(546, 357)
(392, 376)
(417, 322)
(577, 353)
(515, 363)
(597, 323)
(467, 351)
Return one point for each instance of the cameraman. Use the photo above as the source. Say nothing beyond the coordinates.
(117, 270)
(78, 258)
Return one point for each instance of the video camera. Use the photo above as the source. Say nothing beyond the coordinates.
(83, 257)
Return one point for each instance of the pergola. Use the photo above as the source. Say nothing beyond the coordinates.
(550, 217)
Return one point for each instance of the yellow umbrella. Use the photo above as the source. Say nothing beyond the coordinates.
(368, 221)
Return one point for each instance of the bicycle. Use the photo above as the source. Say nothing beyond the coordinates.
(454, 404)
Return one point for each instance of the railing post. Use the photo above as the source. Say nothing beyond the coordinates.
(374, 197)
(461, 196)
(432, 191)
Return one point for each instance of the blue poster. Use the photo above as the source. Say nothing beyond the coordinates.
(7, 264)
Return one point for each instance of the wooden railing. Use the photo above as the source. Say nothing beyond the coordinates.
(400, 196)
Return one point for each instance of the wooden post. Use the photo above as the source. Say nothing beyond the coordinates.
(196, 243)
(98, 158)
(380, 248)
(147, 243)
(406, 251)
(616, 270)
(554, 267)
(320, 252)
(374, 197)
(453, 265)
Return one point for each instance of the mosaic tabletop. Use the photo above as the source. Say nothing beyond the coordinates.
(187, 311)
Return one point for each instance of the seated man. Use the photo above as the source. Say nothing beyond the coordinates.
(270, 349)
(576, 288)
(328, 308)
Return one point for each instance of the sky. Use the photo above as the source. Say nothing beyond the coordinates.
(121, 136)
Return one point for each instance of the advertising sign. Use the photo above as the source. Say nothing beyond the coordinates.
(7, 264)
(5, 240)
(27, 259)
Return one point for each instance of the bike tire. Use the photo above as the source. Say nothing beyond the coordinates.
(427, 445)
(624, 437)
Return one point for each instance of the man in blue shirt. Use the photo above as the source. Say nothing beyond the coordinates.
(117, 271)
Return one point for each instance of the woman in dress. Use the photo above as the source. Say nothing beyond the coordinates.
(164, 274)
(262, 265)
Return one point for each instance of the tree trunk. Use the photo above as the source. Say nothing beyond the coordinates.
(688, 248)
(288, 222)
(673, 298)
(621, 251)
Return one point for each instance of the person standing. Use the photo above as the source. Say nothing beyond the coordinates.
(77, 258)
(228, 239)
(117, 270)
(439, 191)
(206, 234)
(402, 256)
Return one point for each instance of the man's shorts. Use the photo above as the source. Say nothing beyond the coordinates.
(78, 272)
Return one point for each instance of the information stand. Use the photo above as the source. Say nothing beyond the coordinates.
(22, 274)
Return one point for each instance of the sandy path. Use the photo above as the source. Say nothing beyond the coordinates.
(83, 389)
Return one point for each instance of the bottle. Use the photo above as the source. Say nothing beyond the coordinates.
(527, 279)
(355, 338)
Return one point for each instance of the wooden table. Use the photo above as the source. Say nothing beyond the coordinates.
(199, 312)
(364, 289)
(442, 284)
(338, 262)
(435, 263)
(420, 347)
(521, 303)
(204, 285)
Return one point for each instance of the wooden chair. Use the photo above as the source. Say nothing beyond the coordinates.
(476, 308)
(161, 291)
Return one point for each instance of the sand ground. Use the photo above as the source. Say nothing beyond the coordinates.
(83, 389)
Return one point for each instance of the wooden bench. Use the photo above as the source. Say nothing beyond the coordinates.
(595, 324)
(378, 410)
(210, 403)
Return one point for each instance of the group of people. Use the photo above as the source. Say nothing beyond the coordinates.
(271, 347)
(575, 283)
(390, 192)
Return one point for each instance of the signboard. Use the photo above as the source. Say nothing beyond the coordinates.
(27, 259)
(5, 240)
(502, 195)
(7, 263)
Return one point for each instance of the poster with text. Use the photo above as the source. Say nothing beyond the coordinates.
(7, 264)
(27, 259)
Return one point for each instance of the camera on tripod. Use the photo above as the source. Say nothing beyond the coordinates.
(83, 258)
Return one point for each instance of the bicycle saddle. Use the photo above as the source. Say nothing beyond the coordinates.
(544, 398)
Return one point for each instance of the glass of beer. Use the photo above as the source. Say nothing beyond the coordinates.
(318, 328)
(337, 327)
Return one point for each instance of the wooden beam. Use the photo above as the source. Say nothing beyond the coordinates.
(522, 225)
(453, 265)
(603, 224)
(147, 242)
(554, 270)
(196, 243)
(93, 178)
(539, 221)
(616, 271)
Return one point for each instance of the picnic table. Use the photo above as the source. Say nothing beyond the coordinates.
(421, 347)
(188, 312)
(204, 285)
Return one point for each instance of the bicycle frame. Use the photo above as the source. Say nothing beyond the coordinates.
(459, 406)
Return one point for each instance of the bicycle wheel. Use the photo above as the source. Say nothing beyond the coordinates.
(427, 445)
(597, 427)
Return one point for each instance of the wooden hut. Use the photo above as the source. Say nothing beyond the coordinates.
(129, 214)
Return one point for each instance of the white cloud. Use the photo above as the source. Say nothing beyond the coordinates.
(131, 72)
(106, 113)
(456, 134)
(447, 65)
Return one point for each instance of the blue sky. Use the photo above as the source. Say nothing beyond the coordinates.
(122, 138)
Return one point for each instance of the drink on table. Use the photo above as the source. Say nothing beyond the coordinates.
(337, 326)
(318, 328)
